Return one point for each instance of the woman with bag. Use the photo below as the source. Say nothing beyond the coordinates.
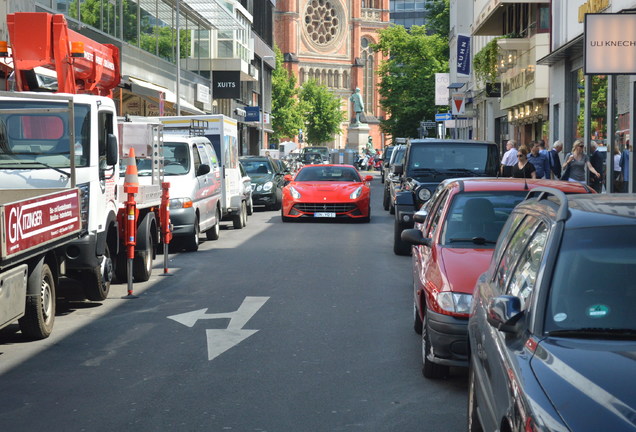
(523, 168)
(575, 164)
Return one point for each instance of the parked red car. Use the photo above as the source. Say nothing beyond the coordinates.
(327, 192)
(459, 227)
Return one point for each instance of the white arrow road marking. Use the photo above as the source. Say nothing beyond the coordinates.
(238, 318)
(221, 340)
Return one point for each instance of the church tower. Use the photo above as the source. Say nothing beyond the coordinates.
(330, 41)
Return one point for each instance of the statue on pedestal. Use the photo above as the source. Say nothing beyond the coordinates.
(358, 106)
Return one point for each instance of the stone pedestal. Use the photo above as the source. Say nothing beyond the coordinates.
(357, 137)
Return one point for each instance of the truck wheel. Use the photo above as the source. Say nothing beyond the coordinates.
(213, 233)
(142, 264)
(238, 219)
(97, 281)
(399, 247)
(39, 314)
(250, 208)
(191, 243)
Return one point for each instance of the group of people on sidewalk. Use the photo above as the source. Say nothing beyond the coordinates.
(536, 162)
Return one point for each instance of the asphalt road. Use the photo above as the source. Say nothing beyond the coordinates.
(276, 327)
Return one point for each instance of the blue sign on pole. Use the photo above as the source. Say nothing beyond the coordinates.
(252, 113)
(443, 116)
(463, 54)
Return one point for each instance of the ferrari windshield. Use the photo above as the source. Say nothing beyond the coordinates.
(327, 173)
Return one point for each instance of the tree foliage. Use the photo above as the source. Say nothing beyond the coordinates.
(407, 86)
(438, 17)
(321, 111)
(287, 116)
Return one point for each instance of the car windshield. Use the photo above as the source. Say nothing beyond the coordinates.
(467, 159)
(593, 281)
(176, 158)
(257, 166)
(323, 151)
(327, 173)
(398, 157)
(478, 217)
(310, 158)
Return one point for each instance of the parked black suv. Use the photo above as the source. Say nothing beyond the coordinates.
(552, 328)
(426, 163)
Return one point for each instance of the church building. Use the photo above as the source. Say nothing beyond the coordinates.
(330, 41)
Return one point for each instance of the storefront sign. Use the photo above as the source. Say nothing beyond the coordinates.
(610, 44)
(441, 88)
(226, 84)
(252, 114)
(203, 93)
(463, 54)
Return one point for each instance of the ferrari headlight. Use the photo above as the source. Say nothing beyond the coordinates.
(268, 186)
(423, 194)
(356, 193)
(294, 193)
(454, 302)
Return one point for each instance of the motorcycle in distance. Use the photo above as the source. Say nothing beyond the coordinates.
(362, 163)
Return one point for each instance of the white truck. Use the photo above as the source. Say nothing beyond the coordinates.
(222, 133)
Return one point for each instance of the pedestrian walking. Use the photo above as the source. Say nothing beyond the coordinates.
(539, 160)
(555, 160)
(624, 164)
(618, 172)
(596, 160)
(509, 159)
(523, 168)
(576, 163)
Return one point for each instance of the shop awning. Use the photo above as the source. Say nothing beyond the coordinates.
(572, 49)
(153, 91)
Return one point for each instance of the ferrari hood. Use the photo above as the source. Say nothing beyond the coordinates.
(589, 382)
(463, 266)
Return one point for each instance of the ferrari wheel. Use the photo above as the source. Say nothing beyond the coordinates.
(283, 217)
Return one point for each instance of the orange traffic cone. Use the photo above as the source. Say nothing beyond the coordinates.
(131, 181)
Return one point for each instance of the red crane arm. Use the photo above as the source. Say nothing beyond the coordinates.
(44, 39)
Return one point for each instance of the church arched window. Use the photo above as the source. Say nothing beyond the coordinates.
(368, 76)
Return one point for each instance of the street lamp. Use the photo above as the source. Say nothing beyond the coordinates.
(263, 98)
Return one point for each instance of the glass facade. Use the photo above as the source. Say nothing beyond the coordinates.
(408, 13)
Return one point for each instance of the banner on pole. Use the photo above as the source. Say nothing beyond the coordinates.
(463, 54)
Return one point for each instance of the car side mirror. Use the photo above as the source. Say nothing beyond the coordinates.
(203, 169)
(504, 312)
(398, 169)
(368, 178)
(420, 216)
(112, 151)
(415, 237)
(288, 177)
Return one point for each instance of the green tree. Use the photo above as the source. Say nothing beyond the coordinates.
(407, 86)
(322, 113)
(438, 17)
(287, 116)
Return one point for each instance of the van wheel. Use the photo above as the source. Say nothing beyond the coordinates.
(191, 243)
(39, 314)
(250, 208)
(97, 281)
(385, 199)
(213, 233)
(238, 220)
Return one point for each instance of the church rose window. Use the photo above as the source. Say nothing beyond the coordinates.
(322, 21)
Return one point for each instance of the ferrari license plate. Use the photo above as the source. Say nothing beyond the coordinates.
(324, 215)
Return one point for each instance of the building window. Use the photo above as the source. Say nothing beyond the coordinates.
(368, 84)
(323, 22)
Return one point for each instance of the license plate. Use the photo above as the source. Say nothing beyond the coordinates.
(325, 215)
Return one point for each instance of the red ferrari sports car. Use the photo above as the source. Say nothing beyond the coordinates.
(327, 192)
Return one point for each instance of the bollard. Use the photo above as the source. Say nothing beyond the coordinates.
(131, 187)
(164, 216)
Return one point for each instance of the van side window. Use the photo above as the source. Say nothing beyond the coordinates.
(196, 158)
(212, 156)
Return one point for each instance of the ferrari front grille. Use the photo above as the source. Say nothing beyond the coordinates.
(325, 207)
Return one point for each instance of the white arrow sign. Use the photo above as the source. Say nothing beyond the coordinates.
(221, 340)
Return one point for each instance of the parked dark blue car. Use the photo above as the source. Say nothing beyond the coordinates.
(552, 330)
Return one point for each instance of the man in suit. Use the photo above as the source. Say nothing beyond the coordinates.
(596, 159)
(555, 160)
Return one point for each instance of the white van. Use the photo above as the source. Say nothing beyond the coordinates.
(222, 133)
(192, 169)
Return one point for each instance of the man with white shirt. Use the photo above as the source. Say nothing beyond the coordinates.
(509, 159)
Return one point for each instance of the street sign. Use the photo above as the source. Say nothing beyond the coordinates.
(428, 124)
(443, 117)
(221, 340)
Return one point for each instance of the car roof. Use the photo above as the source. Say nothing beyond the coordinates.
(471, 184)
(258, 158)
(449, 141)
(329, 165)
